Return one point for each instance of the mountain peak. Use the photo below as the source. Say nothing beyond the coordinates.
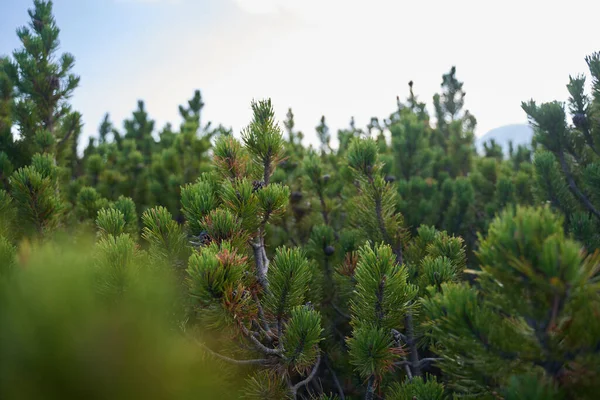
(519, 134)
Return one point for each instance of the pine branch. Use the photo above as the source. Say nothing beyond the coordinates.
(589, 140)
(370, 388)
(335, 378)
(313, 373)
(406, 365)
(412, 344)
(573, 186)
(67, 136)
(261, 316)
(340, 312)
(422, 362)
(261, 268)
(267, 168)
(228, 359)
(379, 214)
(258, 344)
(324, 212)
(483, 340)
(287, 231)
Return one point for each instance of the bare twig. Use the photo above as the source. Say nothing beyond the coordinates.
(229, 359)
(335, 378)
(422, 362)
(258, 344)
(294, 389)
(406, 365)
(261, 267)
(261, 316)
(412, 345)
(339, 311)
(370, 388)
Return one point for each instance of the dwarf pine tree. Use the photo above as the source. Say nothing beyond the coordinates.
(148, 171)
(527, 323)
(257, 300)
(387, 275)
(44, 83)
(395, 269)
(567, 161)
(7, 103)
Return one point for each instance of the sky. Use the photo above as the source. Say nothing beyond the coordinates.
(338, 58)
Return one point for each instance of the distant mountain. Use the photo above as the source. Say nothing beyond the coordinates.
(517, 133)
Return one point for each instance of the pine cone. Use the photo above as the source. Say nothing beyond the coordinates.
(257, 185)
(38, 24)
(202, 239)
(53, 82)
(329, 250)
(580, 120)
(296, 196)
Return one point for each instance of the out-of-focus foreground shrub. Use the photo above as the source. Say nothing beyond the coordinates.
(63, 335)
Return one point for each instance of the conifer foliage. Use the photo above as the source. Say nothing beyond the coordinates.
(567, 160)
(191, 262)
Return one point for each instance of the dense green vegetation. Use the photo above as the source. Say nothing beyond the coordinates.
(194, 262)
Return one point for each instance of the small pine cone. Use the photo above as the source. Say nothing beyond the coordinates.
(580, 120)
(329, 250)
(202, 239)
(296, 196)
(397, 337)
(257, 185)
(38, 24)
(53, 82)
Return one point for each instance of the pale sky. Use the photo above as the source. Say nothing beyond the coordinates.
(338, 58)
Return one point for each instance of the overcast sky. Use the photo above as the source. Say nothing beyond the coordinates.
(338, 58)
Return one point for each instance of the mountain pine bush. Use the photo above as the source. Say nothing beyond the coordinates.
(191, 262)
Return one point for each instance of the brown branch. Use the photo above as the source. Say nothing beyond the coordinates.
(294, 389)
